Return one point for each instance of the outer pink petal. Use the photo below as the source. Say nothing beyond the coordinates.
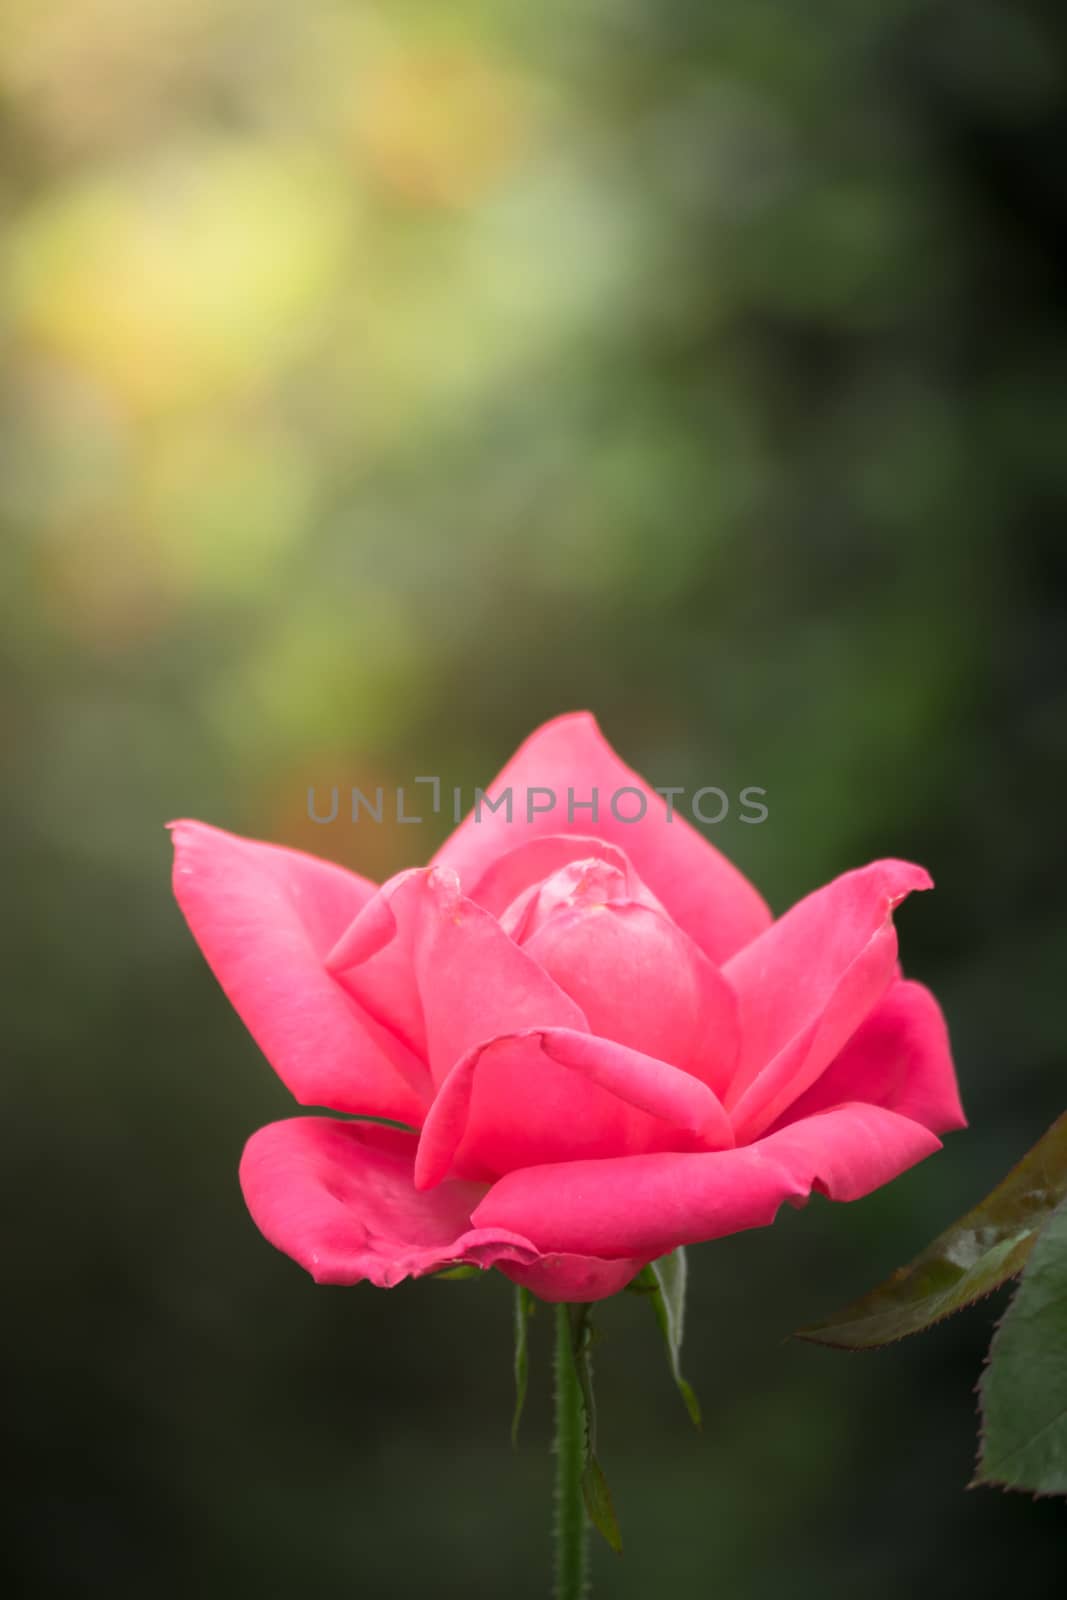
(704, 892)
(570, 1277)
(553, 1094)
(643, 1206)
(264, 918)
(449, 964)
(806, 984)
(374, 958)
(643, 982)
(899, 1058)
(338, 1198)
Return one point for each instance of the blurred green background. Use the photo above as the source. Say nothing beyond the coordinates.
(379, 380)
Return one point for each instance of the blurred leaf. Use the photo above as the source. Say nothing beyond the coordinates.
(972, 1258)
(1024, 1387)
(175, 280)
(525, 1305)
(664, 1282)
(462, 1271)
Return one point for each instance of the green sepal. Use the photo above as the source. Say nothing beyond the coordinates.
(598, 1504)
(986, 1247)
(664, 1282)
(1024, 1386)
(595, 1492)
(464, 1270)
(525, 1306)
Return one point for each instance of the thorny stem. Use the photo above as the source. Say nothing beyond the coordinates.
(572, 1548)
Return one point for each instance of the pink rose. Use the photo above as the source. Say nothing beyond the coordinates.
(607, 1045)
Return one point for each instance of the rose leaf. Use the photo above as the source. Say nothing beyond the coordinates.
(979, 1252)
(1024, 1386)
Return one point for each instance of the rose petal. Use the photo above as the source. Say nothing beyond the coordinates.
(705, 893)
(805, 985)
(553, 1094)
(449, 964)
(374, 959)
(583, 885)
(338, 1198)
(900, 1058)
(509, 875)
(569, 1277)
(264, 917)
(644, 983)
(645, 1205)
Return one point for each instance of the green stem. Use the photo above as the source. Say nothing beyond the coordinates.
(572, 1552)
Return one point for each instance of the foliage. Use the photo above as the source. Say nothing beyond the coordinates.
(1019, 1228)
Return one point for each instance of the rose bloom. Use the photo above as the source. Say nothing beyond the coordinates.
(601, 1043)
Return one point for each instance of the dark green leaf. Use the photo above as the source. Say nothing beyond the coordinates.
(462, 1271)
(972, 1258)
(1024, 1388)
(524, 1310)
